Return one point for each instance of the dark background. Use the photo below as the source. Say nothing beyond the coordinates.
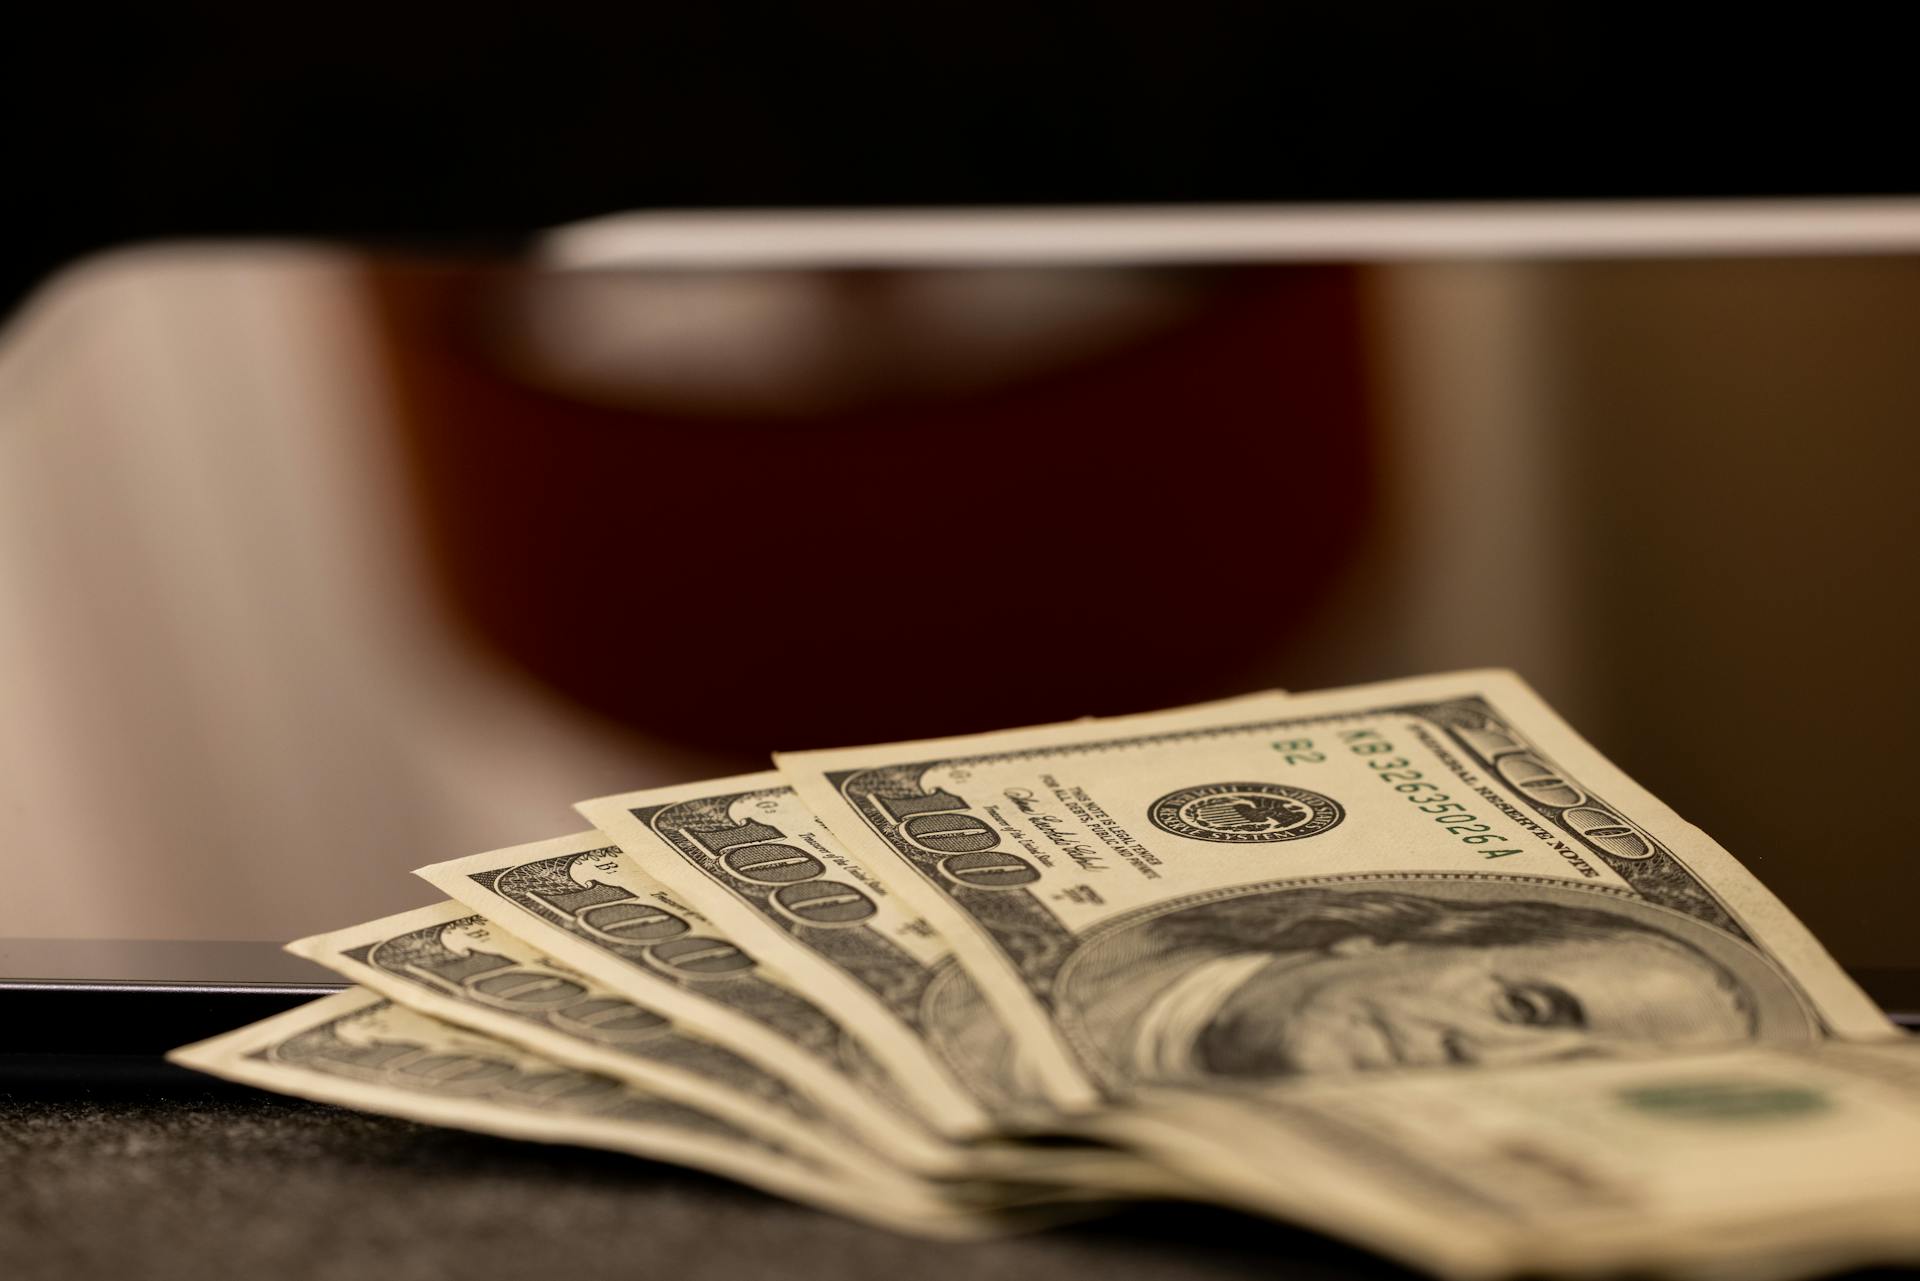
(474, 124)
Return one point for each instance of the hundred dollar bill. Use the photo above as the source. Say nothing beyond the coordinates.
(582, 901)
(1752, 1163)
(750, 855)
(359, 1050)
(1425, 872)
(446, 962)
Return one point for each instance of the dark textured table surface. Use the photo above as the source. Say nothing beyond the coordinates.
(211, 1184)
(206, 1184)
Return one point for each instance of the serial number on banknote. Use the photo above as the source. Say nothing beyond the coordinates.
(1398, 772)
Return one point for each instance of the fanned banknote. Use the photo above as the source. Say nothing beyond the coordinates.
(1434, 872)
(448, 963)
(597, 910)
(1410, 963)
(582, 901)
(749, 854)
(360, 1050)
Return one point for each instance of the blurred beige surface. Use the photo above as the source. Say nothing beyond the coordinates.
(1673, 495)
(223, 677)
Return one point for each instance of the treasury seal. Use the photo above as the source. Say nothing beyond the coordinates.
(1245, 812)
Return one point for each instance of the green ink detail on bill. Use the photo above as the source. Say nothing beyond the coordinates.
(1715, 1101)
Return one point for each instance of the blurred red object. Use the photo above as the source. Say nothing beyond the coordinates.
(896, 546)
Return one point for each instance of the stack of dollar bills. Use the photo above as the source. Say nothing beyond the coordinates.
(1409, 963)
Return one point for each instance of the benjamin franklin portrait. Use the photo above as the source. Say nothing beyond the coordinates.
(1357, 974)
